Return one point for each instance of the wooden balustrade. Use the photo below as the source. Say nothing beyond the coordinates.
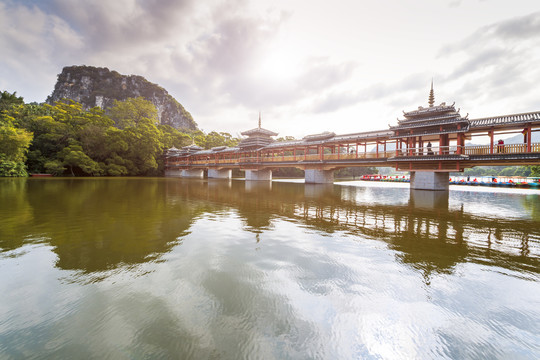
(420, 151)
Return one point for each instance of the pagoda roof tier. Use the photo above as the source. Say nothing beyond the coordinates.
(255, 141)
(450, 115)
(174, 152)
(430, 124)
(259, 131)
(517, 119)
(192, 147)
(422, 111)
(431, 132)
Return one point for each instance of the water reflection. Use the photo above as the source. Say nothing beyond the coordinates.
(96, 225)
(172, 268)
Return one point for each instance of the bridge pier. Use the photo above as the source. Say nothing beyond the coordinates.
(193, 173)
(173, 173)
(429, 180)
(259, 175)
(429, 200)
(313, 176)
(220, 174)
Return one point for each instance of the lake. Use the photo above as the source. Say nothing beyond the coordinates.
(139, 268)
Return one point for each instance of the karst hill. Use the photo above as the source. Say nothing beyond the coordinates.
(96, 86)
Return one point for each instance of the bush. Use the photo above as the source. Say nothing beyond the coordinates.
(9, 168)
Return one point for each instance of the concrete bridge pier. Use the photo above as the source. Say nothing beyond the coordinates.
(173, 173)
(220, 174)
(259, 175)
(193, 173)
(429, 200)
(313, 176)
(429, 180)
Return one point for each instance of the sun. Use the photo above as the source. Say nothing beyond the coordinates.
(278, 66)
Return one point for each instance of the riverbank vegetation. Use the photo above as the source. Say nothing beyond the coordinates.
(65, 139)
(521, 171)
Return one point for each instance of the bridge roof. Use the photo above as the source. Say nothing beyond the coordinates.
(505, 120)
(259, 131)
(334, 139)
(429, 111)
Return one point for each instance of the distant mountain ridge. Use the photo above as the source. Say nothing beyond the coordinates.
(96, 86)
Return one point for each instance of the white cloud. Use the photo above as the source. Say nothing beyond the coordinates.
(307, 65)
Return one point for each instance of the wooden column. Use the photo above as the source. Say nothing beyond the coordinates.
(529, 131)
(490, 133)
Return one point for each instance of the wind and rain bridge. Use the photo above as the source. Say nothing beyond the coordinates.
(430, 142)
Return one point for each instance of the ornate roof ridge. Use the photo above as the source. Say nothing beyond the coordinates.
(259, 130)
(422, 110)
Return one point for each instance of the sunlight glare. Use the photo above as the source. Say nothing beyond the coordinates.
(278, 66)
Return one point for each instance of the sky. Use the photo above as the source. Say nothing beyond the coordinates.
(307, 65)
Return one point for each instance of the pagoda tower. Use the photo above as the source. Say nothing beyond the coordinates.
(439, 124)
(256, 138)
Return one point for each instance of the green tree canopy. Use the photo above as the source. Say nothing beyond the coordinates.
(132, 112)
(8, 100)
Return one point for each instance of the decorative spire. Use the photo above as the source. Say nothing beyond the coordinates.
(259, 119)
(431, 99)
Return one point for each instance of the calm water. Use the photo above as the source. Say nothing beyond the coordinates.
(171, 268)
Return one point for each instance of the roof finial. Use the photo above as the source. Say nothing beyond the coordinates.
(259, 119)
(431, 99)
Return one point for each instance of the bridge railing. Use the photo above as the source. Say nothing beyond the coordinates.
(501, 149)
(469, 150)
(418, 151)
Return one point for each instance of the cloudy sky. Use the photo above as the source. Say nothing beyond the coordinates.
(308, 65)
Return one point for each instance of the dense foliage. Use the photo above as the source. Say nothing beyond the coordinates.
(64, 139)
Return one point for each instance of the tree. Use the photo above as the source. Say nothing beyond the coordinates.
(172, 137)
(77, 161)
(54, 167)
(535, 171)
(132, 112)
(8, 100)
(286, 138)
(14, 144)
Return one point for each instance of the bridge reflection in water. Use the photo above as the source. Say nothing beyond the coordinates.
(180, 268)
(429, 230)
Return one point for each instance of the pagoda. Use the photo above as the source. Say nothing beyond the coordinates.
(436, 123)
(256, 138)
